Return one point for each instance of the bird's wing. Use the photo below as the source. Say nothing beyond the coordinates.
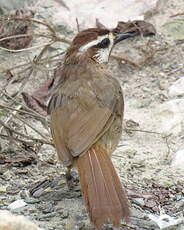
(78, 118)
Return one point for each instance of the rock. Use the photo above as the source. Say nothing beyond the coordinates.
(139, 201)
(175, 29)
(17, 204)
(3, 188)
(163, 84)
(177, 89)
(121, 10)
(178, 161)
(165, 221)
(7, 5)
(170, 116)
(8, 221)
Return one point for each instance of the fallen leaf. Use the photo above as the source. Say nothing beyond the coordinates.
(136, 27)
(11, 27)
(18, 160)
(35, 104)
(42, 92)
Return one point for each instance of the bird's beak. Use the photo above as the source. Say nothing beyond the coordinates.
(122, 36)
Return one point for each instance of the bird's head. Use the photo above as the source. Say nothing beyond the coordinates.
(95, 44)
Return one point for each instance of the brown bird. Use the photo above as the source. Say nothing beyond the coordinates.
(86, 123)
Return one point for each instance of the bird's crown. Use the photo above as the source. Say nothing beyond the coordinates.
(93, 43)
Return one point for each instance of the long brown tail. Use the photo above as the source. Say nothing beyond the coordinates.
(104, 196)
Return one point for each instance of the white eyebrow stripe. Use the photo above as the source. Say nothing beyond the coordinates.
(83, 48)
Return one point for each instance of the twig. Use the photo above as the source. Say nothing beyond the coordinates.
(26, 49)
(115, 155)
(35, 60)
(24, 82)
(42, 61)
(36, 21)
(25, 136)
(29, 125)
(16, 67)
(167, 143)
(147, 57)
(62, 3)
(27, 108)
(16, 139)
(78, 27)
(143, 131)
(20, 111)
(10, 117)
(178, 14)
(15, 36)
(62, 39)
(17, 77)
(50, 28)
(119, 58)
(34, 63)
(56, 55)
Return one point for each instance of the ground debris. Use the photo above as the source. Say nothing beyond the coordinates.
(137, 27)
(156, 197)
(35, 104)
(165, 221)
(18, 31)
(18, 160)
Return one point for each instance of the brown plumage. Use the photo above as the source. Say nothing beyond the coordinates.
(86, 123)
(103, 193)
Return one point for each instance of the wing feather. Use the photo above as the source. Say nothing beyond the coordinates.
(81, 116)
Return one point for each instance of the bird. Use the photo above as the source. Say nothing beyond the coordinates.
(86, 113)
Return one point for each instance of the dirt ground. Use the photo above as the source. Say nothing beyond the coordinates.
(143, 159)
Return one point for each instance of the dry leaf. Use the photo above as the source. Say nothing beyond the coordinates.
(136, 27)
(10, 27)
(42, 92)
(35, 104)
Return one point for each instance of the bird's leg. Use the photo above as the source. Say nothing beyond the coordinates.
(71, 180)
(68, 173)
(69, 177)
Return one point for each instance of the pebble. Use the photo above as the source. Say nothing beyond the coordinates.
(10, 221)
(30, 200)
(177, 89)
(17, 204)
(178, 161)
(163, 84)
(165, 221)
(3, 188)
(169, 117)
(139, 201)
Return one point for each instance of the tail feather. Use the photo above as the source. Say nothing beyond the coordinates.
(104, 196)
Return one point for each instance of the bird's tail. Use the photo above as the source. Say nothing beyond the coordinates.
(105, 199)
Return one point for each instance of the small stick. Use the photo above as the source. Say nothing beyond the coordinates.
(21, 111)
(28, 124)
(119, 58)
(24, 106)
(178, 14)
(15, 36)
(26, 49)
(144, 131)
(78, 27)
(9, 118)
(25, 136)
(36, 21)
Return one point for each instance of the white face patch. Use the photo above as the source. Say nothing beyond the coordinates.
(103, 53)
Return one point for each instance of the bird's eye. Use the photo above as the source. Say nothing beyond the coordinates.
(104, 43)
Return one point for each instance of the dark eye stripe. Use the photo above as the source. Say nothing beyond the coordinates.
(104, 43)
